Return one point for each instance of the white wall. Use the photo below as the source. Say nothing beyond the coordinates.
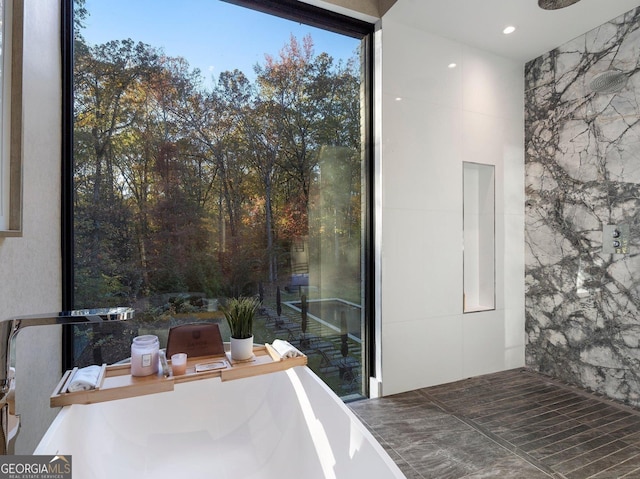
(433, 119)
(30, 276)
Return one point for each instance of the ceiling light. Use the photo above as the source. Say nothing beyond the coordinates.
(509, 29)
(452, 65)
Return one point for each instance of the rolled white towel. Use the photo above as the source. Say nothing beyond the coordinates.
(285, 349)
(84, 379)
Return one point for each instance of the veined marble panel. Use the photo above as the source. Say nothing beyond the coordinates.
(583, 172)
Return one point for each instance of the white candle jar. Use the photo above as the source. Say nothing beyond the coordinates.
(144, 355)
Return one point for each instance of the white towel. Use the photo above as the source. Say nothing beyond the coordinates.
(84, 379)
(285, 349)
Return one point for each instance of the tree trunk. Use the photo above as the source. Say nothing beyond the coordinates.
(269, 229)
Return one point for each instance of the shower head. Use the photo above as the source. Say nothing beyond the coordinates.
(610, 81)
(555, 4)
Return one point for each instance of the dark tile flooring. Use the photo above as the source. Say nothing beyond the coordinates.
(512, 424)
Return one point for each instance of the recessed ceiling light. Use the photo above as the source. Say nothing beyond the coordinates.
(452, 65)
(509, 29)
(398, 98)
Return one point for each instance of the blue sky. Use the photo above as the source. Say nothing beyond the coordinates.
(212, 35)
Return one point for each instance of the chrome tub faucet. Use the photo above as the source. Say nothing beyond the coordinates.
(11, 327)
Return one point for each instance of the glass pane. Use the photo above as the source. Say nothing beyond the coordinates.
(242, 177)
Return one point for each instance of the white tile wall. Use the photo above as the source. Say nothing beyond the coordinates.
(482, 340)
(433, 119)
(421, 155)
(421, 269)
(428, 344)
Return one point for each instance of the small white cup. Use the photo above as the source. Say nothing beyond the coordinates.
(179, 363)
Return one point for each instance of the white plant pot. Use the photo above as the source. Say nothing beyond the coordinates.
(241, 349)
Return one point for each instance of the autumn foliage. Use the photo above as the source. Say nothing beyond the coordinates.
(180, 187)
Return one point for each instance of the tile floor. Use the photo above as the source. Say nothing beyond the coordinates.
(512, 424)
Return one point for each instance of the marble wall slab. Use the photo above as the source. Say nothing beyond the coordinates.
(582, 172)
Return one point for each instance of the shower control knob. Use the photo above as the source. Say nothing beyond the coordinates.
(615, 239)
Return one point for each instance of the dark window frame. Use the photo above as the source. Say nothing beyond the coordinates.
(291, 10)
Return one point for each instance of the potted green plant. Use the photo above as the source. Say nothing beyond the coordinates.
(239, 313)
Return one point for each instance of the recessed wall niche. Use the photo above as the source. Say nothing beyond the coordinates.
(478, 237)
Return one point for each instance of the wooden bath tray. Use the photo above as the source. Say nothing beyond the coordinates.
(116, 382)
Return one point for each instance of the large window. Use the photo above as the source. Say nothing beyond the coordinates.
(218, 152)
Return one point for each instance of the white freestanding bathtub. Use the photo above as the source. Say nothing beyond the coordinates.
(286, 424)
